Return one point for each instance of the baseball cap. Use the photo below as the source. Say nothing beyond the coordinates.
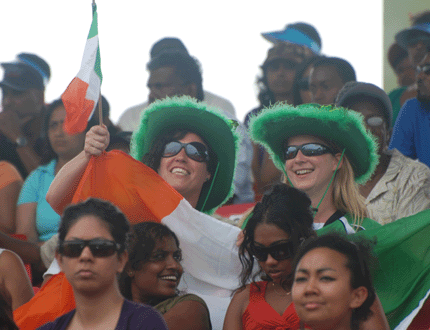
(415, 33)
(20, 77)
(37, 63)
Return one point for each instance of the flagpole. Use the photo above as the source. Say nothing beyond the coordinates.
(100, 97)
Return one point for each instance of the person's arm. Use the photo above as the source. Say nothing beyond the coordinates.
(377, 320)
(15, 279)
(27, 251)
(26, 221)
(233, 317)
(65, 183)
(402, 137)
(8, 197)
(187, 315)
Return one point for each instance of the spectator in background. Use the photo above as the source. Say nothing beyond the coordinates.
(173, 72)
(400, 186)
(416, 41)
(405, 72)
(411, 132)
(35, 217)
(301, 92)
(173, 79)
(327, 78)
(37, 63)
(21, 119)
(10, 186)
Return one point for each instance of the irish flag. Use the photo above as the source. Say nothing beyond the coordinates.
(82, 94)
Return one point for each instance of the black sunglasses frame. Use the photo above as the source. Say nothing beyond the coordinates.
(100, 248)
(200, 154)
(320, 150)
(281, 251)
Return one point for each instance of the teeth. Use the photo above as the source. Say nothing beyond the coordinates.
(178, 170)
(303, 172)
(171, 278)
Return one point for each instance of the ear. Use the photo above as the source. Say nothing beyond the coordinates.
(59, 259)
(122, 259)
(359, 296)
(337, 158)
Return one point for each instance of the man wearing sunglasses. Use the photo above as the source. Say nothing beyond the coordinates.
(411, 133)
(400, 186)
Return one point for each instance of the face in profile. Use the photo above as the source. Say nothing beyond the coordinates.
(93, 268)
(158, 277)
(183, 173)
(272, 249)
(322, 292)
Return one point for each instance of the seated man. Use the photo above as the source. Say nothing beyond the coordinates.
(400, 186)
(327, 78)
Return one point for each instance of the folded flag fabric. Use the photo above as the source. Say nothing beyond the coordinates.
(82, 94)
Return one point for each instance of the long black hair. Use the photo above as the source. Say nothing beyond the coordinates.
(285, 207)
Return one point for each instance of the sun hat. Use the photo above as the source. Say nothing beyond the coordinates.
(302, 34)
(342, 127)
(354, 89)
(217, 130)
(415, 33)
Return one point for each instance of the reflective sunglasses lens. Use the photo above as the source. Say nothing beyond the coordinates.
(197, 151)
(374, 121)
(291, 152)
(313, 149)
(171, 149)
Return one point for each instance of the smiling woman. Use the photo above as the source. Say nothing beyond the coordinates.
(152, 275)
(91, 253)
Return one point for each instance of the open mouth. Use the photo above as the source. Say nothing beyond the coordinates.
(180, 171)
(302, 172)
(169, 278)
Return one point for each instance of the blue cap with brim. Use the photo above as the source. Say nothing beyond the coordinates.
(413, 34)
(19, 76)
(293, 36)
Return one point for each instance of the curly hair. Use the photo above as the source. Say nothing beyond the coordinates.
(285, 207)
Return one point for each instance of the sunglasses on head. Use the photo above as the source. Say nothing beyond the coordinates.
(194, 150)
(307, 149)
(100, 248)
(278, 252)
(424, 69)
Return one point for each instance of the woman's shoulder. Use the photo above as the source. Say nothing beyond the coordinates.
(169, 303)
(138, 316)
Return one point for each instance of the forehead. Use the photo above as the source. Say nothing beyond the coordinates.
(366, 107)
(302, 139)
(58, 114)
(89, 227)
(166, 243)
(192, 137)
(324, 73)
(163, 74)
(324, 257)
(267, 234)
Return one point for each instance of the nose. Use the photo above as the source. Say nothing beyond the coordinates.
(311, 287)
(271, 261)
(300, 157)
(318, 96)
(172, 263)
(86, 254)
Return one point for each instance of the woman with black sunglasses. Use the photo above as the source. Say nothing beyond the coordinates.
(273, 234)
(92, 252)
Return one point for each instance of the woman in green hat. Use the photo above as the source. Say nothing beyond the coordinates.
(324, 151)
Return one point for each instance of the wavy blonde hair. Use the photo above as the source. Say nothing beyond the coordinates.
(346, 195)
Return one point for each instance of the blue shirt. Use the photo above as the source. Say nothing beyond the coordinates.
(411, 133)
(34, 191)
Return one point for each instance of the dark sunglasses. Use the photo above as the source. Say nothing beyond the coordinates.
(278, 252)
(100, 248)
(307, 149)
(195, 150)
(424, 69)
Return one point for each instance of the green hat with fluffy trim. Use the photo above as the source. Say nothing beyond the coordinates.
(342, 127)
(218, 131)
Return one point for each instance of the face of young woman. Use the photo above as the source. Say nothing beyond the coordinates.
(322, 291)
(310, 174)
(184, 174)
(159, 277)
(63, 144)
(87, 274)
(268, 235)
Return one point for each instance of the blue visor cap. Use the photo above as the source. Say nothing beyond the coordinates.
(293, 36)
(414, 34)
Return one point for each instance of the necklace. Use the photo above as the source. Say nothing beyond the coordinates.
(278, 293)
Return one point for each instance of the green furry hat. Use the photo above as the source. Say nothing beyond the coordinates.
(218, 131)
(342, 127)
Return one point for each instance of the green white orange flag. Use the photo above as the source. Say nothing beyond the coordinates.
(81, 96)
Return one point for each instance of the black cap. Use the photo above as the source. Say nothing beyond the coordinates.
(37, 63)
(168, 45)
(20, 77)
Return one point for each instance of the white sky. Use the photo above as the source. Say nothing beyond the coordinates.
(223, 35)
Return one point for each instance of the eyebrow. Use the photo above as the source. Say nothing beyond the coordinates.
(319, 271)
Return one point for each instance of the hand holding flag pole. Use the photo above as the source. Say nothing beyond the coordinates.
(81, 96)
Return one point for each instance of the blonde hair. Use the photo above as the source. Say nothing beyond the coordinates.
(346, 195)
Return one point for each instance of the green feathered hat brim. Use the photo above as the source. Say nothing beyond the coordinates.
(217, 130)
(342, 127)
